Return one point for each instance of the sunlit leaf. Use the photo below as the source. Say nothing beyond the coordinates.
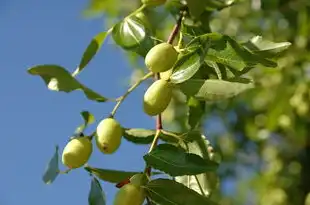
(169, 192)
(52, 169)
(96, 195)
(91, 50)
(129, 33)
(213, 89)
(58, 78)
(186, 67)
(176, 162)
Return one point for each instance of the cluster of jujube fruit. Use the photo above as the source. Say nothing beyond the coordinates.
(159, 60)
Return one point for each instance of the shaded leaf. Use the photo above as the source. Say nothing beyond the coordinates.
(186, 67)
(176, 162)
(88, 119)
(195, 112)
(129, 33)
(213, 89)
(52, 169)
(96, 195)
(144, 136)
(191, 136)
(91, 50)
(58, 78)
(196, 7)
(169, 192)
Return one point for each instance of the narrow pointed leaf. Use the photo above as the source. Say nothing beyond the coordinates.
(88, 119)
(129, 33)
(186, 67)
(96, 195)
(112, 176)
(176, 162)
(213, 89)
(144, 136)
(91, 50)
(52, 169)
(169, 192)
(58, 78)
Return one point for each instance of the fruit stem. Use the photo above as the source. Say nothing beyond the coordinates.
(134, 86)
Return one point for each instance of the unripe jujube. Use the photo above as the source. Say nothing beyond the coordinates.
(77, 152)
(109, 135)
(161, 58)
(153, 2)
(157, 97)
(130, 194)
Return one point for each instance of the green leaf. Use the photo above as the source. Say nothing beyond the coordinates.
(88, 119)
(191, 136)
(224, 50)
(52, 169)
(186, 67)
(207, 181)
(169, 192)
(129, 33)
(91, 50)
(264, 47)
(196, 7)
(58, 78)
(144, 136)
(176, 162)
(195, 112)
(113, 176)
(96, 195)
(213, 89)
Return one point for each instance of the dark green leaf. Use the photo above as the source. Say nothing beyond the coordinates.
(213, 89)
(129, 33)
(52, 169)
(195, 112)
(58, 78)
(144, 136)
(176, 162)
(169, 192)
(96, 195)
(113, 176)
(88, 119)
(91, 51)
(192, 136)
(186, 67)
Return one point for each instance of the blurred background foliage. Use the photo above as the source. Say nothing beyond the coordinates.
(263, 136)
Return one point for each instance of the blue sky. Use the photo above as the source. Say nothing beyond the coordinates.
(35, 119)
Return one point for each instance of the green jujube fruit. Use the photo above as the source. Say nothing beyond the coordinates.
(130, 194)
(77, 152)
(161, 58)
(109, 135)
(153, 2)
(157, 97)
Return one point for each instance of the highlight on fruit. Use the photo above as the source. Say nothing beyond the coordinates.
(77, 152)
(157, 97)
(108, 135)
(161, 58)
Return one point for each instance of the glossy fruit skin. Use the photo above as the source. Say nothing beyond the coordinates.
(157, 97)
(77, 152)
(129, 194)
(153, 2)
(161, 58)
(109, 135)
